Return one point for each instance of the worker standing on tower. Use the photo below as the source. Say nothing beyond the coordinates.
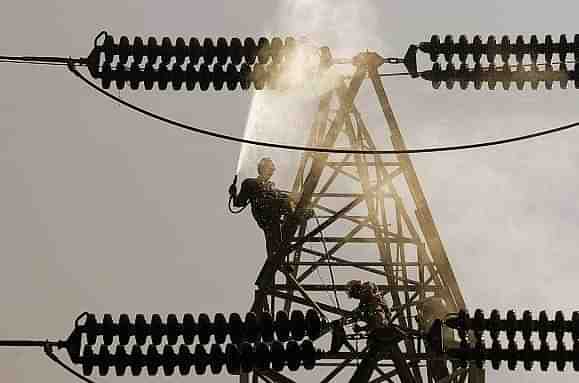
(269, 206)
(271, 209)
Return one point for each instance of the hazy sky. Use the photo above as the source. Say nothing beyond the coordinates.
(103, 210)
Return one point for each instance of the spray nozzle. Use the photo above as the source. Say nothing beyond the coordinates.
(233, 187)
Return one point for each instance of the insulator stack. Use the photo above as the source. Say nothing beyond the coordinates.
(244, 357)
(225, 64)
(253, 328)
(513, 354)
(194, 50)
(525, 325)
(505, 75)
(511, 325)
(505, 47)
(258, 76)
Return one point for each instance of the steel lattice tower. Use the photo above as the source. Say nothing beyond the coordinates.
(366, 233)
(370, 221)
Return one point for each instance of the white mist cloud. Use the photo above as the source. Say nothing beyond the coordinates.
(286, 116)
(347, 27)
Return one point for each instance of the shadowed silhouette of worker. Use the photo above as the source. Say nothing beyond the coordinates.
(269, 206)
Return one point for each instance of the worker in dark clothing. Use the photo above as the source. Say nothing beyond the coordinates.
(372, 308)
(269, 206)
(383, 335)
(271, 209)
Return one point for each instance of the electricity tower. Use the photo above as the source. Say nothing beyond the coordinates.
(370, 222)
(364, 229)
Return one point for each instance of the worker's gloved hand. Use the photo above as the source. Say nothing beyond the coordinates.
(233, 190)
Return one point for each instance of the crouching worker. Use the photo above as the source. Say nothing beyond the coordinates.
(372, 308)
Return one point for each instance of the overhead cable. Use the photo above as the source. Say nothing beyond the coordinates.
(226, 137)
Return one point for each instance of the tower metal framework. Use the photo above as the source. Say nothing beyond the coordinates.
(363, 230)
(371, 222)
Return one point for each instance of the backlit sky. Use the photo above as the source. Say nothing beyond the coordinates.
(103, 210)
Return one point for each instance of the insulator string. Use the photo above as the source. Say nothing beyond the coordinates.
(525, 324)
(504, 75)
(504, 48)
(243, 357)
(258, 76)
(513, 354)
(222, 51)
(253, 328)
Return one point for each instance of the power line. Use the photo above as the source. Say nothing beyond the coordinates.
(72, 63)
(48, 351)
(16, 61)
(47, 347)
(226, 137)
